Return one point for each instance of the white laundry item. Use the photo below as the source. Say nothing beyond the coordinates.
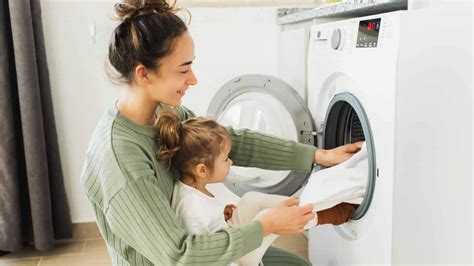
(345, 182)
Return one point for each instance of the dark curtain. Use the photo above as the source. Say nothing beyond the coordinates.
(33, 204)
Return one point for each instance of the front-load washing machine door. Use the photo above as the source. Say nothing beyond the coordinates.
(269, 105)
(347, 122)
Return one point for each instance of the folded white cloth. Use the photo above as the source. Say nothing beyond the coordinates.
(345, 182)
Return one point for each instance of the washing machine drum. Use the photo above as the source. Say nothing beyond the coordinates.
(269, 105)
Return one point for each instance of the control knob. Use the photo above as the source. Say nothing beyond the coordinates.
(337, 39)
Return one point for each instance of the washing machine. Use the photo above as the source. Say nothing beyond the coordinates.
(402, 82)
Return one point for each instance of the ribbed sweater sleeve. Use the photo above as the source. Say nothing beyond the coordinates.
(141, 215)
(256, 149)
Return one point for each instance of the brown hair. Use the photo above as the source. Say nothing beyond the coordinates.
(145, 35)
(188, 143)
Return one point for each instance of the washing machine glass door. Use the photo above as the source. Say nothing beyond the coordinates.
(269, 105)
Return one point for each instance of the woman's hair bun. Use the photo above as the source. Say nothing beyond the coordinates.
(132, 8)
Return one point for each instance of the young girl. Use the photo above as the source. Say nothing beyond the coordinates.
(198, 150)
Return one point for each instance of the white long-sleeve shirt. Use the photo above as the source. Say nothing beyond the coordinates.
(199, 212)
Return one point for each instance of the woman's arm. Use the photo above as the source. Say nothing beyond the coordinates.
(141, 216)
(256, 149)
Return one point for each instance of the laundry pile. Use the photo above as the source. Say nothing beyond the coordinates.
(345, 182)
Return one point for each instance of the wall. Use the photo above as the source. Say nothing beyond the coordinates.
(420, 4)
(229, 42)
(79, 88)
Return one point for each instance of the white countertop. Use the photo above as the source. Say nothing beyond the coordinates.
(249, 3)
(362, 8)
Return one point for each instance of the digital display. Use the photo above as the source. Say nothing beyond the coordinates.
(368, 35)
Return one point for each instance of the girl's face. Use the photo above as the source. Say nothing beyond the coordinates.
(170, 82)
(222, 165)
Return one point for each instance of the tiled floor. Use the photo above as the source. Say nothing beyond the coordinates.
(87, 248)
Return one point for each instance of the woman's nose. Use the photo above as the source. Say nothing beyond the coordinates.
(192, 80)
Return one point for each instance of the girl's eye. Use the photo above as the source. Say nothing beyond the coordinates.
(184, 72)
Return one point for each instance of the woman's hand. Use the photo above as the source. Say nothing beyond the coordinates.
(228, 211)
(336, 155)
(287, 218)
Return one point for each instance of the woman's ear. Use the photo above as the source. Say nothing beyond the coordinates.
(141, 74)
(201, 170)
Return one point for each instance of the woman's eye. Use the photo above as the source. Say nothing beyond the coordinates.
(184, 72)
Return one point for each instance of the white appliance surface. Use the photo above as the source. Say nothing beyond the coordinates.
(414, 84)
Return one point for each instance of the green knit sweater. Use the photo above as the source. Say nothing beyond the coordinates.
(130, 194)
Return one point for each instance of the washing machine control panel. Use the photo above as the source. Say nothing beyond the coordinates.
(374, 34)
(359, 34)
(368, 33)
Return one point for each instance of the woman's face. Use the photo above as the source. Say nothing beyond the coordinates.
(174, 75)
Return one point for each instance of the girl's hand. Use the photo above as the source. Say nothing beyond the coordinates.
(228, 211)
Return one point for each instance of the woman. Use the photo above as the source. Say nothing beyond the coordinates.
(130, 191)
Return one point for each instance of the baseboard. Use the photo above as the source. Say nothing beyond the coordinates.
(85, 230)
